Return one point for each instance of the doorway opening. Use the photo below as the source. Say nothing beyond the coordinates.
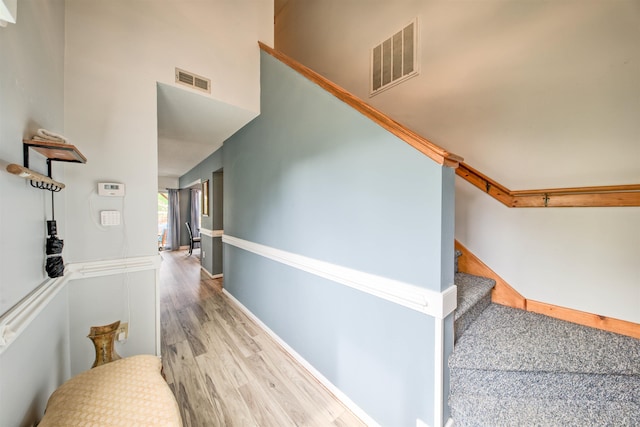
(163, 213)
(217, 211)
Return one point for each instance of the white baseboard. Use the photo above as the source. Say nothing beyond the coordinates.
(346, 401)
(205, 271)
(420, 423)
(213, 276)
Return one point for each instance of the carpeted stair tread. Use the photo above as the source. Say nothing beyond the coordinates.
(507, 339)
(516, 368)
(471, 289)
(507, 398)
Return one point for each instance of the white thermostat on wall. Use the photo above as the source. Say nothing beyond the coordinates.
(112, 189)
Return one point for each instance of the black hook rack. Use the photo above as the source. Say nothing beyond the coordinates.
(54, 152)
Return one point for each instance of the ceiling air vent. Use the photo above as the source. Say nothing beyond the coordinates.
(193, 80)
(394, 60)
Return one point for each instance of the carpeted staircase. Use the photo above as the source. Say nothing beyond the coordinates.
(516, 368)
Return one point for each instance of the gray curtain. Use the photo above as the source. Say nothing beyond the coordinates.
(195, 212)
(173, 220)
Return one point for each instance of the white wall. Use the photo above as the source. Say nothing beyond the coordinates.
(100, 92)
(535, 95)
(116, 53)
(165, 182)
(31, 97)
(36, 363)
(103, 300)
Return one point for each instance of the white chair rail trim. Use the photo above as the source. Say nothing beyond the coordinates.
(114, 266)
(436, 304)
(18, 318)
(211, 233)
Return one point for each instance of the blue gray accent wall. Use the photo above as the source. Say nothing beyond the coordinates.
(185, 208)
(206, 245)
(313, 177)
(217, 200)
(378, 353)
(210, 168)
(203, 171)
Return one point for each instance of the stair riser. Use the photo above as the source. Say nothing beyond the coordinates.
(462, 323)
(504, 385)
(474, 411)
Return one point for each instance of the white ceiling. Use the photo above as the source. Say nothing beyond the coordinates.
(191, 126)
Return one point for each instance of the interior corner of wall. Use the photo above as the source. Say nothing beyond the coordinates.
(8, 12)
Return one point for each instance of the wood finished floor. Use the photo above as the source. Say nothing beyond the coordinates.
(225, 370)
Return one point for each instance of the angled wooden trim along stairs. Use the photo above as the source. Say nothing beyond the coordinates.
(435, 153)
(504, 294)
(604, 196)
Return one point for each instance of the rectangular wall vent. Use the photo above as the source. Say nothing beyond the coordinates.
(193, 80)
(395, 59)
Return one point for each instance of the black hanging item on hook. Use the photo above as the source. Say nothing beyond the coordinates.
(59, 152)
(55, 264)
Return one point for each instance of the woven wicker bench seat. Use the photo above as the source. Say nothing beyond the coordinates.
(128, 392)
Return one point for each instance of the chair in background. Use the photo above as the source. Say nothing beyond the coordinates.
(192, 240)
(162, 239)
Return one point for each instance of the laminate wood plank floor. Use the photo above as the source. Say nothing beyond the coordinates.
(223, 368)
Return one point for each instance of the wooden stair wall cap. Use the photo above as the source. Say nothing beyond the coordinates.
(431, 150)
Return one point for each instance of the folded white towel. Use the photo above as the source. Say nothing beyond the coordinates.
(47, 135)
(48, 140)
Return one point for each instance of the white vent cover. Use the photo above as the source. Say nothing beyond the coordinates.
(195, 81)
(395, 59)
